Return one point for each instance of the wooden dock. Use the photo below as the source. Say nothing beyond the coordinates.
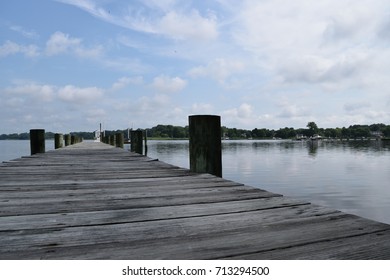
(94, 201)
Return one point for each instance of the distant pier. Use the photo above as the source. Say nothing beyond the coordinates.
(95, 201)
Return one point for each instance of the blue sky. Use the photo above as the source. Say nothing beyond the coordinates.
(69, 65)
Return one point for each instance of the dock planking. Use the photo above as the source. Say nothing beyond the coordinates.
(94, 201)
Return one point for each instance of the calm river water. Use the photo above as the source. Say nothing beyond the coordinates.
(350, 176)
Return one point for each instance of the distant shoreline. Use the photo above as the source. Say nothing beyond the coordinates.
(170, 132)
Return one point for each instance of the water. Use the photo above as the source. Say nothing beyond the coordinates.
(12, 149)
(350, 176)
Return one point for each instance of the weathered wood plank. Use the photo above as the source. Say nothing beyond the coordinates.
(94, 201)
(201, 237)
(82, 205)
(184, 181)
(360, 247)
(99, 176)
(156, 196)
(120, 192)
(40, 221)
(70, 181)
(276, 219)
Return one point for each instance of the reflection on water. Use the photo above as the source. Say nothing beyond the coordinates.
(349, 176)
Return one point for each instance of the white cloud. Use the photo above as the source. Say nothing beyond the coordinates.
(188, 26)
(89, 6)
(38, 92)
(159, 109)
(10, 48)
(167, 84)
(14, 102)
(163, 5)
(289, 111)
(353, 107)
(220, 69)
(94, 52)
(326, 60)
(364, 112)
(125, 81)
(62, 43)
(157, 18)
(275, 25)
(202, 108)
(333, 73)
(30, 34)
(304, 25)
(244, 111)
(95, 115)
(49, 93)
(245, 116)
(77, 95)
(153, 106)
(58, 43)
(310, 42)
(177, 111)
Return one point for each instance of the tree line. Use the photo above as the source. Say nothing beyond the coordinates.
(352, 132)
(48, 135)
(178, 132)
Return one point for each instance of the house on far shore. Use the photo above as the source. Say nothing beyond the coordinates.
(376, 134)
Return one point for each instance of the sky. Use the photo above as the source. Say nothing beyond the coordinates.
(68, 65)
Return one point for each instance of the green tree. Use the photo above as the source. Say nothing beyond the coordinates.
(259, 133)
(359, 131)
(386, 131)
(313, 128)
(285, 133)
(377, 127)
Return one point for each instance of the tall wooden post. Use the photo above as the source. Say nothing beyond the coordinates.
(205, 144)
(37, 141)
(100, 133)
(58, 141)
(136, 141)
(72, 139)
(146, 142)
(67, 139)
(119, 139)
(112, 140)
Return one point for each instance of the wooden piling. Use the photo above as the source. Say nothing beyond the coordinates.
(205, 144)
(136, 141)
(72, 139)
(146, 142)
(58, 141)
(119, 140)
(67, 139)
(112, 140)
(37, 141)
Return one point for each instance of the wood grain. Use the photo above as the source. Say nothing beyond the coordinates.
(94, 201)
